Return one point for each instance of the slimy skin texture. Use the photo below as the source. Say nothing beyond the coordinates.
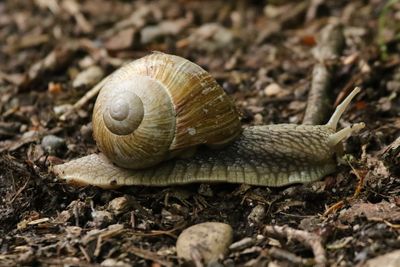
(270, 155)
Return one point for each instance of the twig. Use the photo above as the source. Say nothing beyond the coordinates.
(360, 184)
(148, 255)
(19, 191)
(329, 48)
(66, 262)
(310, 240)
(162, 232)
(312, 9)
(76, 214)
(334, 207)
(157, 233)
(110, 232)
(84, 100)
(281, 254)
(85, 253)
(392, 225)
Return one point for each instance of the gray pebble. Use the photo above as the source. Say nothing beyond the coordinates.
(52, 144)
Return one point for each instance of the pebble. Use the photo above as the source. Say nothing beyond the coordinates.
(113, 262)
(391, 259)
(210, 240)
(256, 215)
(258, 119)
(119, 205)
(61, 109)
(52, 144)
(393, 86)
(87, 131)
(272, 89)
(102, 218)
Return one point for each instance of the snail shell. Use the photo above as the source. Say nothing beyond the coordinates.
(158, 107)
(163, 106)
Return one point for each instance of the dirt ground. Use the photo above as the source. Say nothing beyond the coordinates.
(262, 55)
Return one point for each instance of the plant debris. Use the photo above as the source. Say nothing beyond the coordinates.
(266, 55)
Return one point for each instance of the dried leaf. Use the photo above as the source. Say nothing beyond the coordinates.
(373, 212)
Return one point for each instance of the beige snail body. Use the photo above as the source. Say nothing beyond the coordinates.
(152, 114)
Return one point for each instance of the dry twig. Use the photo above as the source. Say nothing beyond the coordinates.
(112, 231)
(360, 184)
(281, 254)
(148, 255)
(329, 48)
(84, 100)
(310, 240)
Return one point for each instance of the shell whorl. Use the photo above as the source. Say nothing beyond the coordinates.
(123, 113)
(158, 106)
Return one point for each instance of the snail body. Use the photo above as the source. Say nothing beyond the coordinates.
(152, 114)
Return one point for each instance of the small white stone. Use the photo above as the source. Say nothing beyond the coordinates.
(114, 263)
(210, 240)
(58, 110)
(260, 237)
(272, 89)
(258, 119)
(191, 131)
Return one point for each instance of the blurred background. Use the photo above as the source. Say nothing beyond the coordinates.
(261, 52)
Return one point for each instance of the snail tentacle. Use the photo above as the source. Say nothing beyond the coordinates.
(175, 107)
(345, 133)
(341, 108)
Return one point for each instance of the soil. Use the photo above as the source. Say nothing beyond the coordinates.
(262, 55)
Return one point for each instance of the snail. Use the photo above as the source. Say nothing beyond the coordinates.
(163, 120)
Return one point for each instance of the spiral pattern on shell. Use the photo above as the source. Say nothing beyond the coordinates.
(158, 107)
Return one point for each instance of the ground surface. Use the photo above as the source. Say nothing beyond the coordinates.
(262, 56)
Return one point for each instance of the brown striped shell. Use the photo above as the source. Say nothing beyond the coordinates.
(158, 107)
